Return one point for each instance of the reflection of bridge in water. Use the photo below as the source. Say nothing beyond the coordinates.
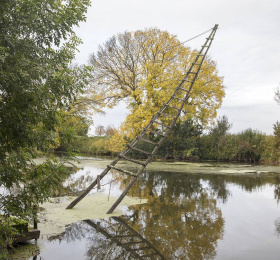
(119, 232)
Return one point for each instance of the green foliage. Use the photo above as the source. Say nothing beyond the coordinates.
(271, 154)
(276, 131)
(90, 145)
(211, 144)
(78, 123)
(182, 142)
(187, 142)
(221, 127)
(37, 45)
(70, 125)
(19, 225)
(247, 146)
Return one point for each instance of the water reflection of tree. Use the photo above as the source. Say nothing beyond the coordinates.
(190, 231)
(277, 193)
(277, 227)
(182, 215)
(218, 184)
(74, 184)
(181, 219)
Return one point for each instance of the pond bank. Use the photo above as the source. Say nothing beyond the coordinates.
(183, 167)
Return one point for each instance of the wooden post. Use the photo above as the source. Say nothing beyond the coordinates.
(35, 223)
(90, 187)
(98, 227)
(121, 196)
(98, 182)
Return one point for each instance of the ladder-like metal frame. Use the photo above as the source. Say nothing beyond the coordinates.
(169, 110)
(129, 239)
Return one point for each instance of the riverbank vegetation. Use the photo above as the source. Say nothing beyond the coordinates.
(189, 142)
(37, 84)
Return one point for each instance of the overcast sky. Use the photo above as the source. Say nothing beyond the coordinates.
(246, 48)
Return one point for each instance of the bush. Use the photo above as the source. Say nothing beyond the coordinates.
(247, 146)
(90, 145)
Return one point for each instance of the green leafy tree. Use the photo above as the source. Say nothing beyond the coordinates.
(249, 145)
(182, 142)
(221, 127)
(276, 132)
(213, 143)
(37, 45)
(71, 124)
(272, 151)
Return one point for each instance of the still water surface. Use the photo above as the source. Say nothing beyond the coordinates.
(188, 216)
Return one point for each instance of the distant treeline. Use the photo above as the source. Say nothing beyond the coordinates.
(188, 142)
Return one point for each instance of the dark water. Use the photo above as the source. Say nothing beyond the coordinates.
(188, 216)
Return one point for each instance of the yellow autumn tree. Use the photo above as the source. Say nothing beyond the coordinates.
(143, 68)
(116, 143)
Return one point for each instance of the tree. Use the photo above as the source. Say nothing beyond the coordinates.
(249, 145)
(221, 127)
(37, 45)
(70, 124)
(182, 142)
(100, 130)
(144, 68)
(276, 132)
(213, 145)
(78, 123)
(110, 130)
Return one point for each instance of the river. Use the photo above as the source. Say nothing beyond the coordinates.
(191, 211)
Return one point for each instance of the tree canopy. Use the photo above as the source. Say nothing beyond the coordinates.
(144, 68)
(37, 46)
